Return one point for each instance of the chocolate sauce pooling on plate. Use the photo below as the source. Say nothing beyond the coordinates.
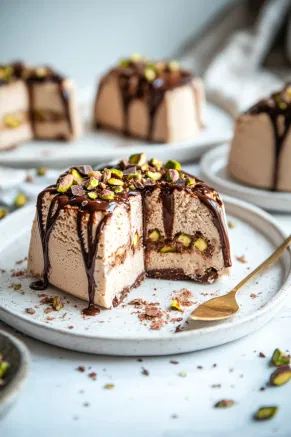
(85, 216)
(278, 105)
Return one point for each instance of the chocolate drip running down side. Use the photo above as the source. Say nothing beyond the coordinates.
(133, 85)
(276, 107)
(85, 206)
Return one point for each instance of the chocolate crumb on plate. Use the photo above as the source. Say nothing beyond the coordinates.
(81, 369)
(241, 259)
(30, 310)
(145, 372)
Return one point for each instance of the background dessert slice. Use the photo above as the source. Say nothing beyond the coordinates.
(260, 152)
(96, 233)
(157, 101)
(15, 125)
(53, 104)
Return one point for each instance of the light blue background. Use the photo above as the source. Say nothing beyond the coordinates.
(82, 38)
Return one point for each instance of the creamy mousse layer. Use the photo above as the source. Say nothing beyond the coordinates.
(96, 234)
(156, 101)
(260, 152)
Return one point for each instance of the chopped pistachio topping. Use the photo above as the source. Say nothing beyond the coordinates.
(113, 181)
(172, 175)
(175, 305)
(3, 213)
(174, 66)
(224, 403)
(135, 240)
(118, 190)
(95, 174)
(41, 171)
(183, 374)
(109, 386)
(131, 187)
(11, 121)
(283, 105)
(138, 159)
(92, 195)
(200, 244)
(107, 195)
(279, 358)
(173, 164)
(190, 182)
(124, 63)
(116, 173)
(167, 249)
(150, 74)
(281, 376)
(135, 57)
(154, 236)
(4, 365)
(92, 183)
(156, 176)
(184, 239)
(265, 413)
(135, 175)
(20, 200)
(57, 303)
(231, 225)
(76, 175)
(65, 183)
(154, 162)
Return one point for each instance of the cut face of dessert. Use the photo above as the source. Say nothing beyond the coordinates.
(260, 153)
(157, 101)
(36, 103)
(96, 234)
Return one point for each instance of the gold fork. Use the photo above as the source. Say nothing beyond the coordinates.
(223, 307)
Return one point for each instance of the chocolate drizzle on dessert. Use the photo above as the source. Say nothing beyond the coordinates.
(167, 198)
(276, 107)
(134, 85)
(74, 192)
(31, 76)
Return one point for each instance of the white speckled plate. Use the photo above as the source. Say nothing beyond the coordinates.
(98, 146)
(119, 331)
(213, 168)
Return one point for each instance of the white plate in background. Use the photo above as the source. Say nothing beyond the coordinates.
(98, 146)
(119, 331)
(213, 168)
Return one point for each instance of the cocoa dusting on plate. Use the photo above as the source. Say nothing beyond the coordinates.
(241, 259)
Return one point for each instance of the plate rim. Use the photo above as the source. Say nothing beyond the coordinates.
(271, 304)
(234, 187)
(190, 146)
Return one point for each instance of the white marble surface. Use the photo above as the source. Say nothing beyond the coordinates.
(60, 401)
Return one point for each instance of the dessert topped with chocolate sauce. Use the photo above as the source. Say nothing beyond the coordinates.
(97, 233)
(36, 102)
(156, 100)
(263, 136)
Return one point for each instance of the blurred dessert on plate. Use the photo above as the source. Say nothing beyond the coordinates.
(157, 101)
(260, 154)
(36, 103)
(97, 234)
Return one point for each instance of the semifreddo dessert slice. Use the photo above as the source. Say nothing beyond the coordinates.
(36, 103)
(158, 101)
(96, 234)
(260, 152)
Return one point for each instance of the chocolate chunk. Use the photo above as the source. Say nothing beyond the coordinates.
(77, 190)
(84, 169)
(129, 170)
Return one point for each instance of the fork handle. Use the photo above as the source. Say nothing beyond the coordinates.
(267, 263)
